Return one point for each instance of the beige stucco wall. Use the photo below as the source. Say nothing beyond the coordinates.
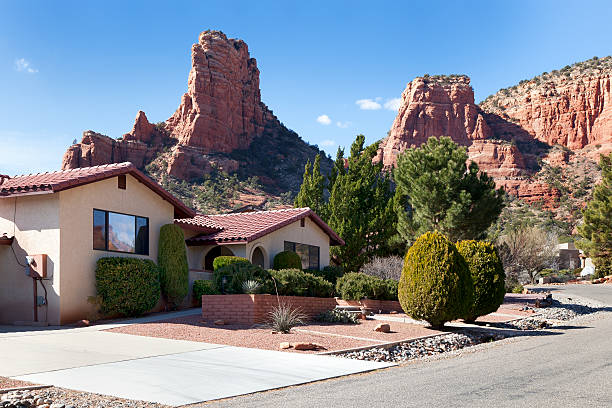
(78, 258)
(37, 231)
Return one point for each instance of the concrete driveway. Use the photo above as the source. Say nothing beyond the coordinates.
(172, 372)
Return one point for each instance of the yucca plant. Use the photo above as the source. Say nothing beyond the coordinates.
(284, 317)
(250, 287)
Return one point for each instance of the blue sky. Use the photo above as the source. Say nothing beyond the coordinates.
(66, 67)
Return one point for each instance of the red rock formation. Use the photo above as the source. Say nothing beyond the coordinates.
(222, 109)
(434, 106)
(499, 159)
(142, 130)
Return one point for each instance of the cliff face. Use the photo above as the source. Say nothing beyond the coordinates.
(220, 124)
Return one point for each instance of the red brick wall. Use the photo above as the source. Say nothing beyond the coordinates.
(251, 309)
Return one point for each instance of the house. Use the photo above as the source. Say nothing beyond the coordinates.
(74, 217)
(64, 221)
(258, 236)
(569, 256)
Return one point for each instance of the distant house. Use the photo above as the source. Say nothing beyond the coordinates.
(258, 236)
(69, 219)
(569, 256)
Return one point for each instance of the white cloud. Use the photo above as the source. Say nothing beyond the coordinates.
(343, 125)
(368, 104)
(393, 104)
(23, 65)
(328, 143)
(324, 120)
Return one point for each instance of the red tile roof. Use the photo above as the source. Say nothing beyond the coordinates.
(56, 181)
(247, 227)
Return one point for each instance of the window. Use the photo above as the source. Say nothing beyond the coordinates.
(308, 253)
(302, 222)
(120, 232)
(122, 182)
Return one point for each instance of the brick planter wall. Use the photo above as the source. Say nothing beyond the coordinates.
(251, 309)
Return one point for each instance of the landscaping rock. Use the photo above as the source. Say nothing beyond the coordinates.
(220, 322)
(305, 346)
(82, 323)
(383, 328)
(284, 345)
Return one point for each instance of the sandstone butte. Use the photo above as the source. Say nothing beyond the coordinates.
(221, 111)
(575, 113)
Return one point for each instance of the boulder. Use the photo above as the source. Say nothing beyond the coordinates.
(383, 328)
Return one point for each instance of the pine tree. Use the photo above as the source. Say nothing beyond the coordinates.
(337, 169)
(311, 190)
(360, 207)
(436, 190)
(597, 227)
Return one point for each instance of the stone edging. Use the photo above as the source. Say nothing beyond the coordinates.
(27, 388)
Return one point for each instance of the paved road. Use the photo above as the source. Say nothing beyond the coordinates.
(572, 368)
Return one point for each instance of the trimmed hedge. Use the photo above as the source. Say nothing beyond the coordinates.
(203, 287)
(127, 286)
(329, 273)
(488, 277)
(222, 261)
(295, 282)
(357, 285)
(287, 260)
(436, 285)
(173, 266)
(236, 274)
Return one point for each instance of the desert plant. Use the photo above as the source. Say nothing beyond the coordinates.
(127, 286)
(435, 285)
(229, 279)
(173, 266)
(287, 260)
(389, 267)
(284, 317)
(488, 277)
(222, 261)
(294, 282)
(356, 286)
(203, 287)
(338, 316)
(251, 287)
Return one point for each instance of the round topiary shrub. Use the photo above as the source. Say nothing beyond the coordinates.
(172, 262)
(488, 277)
(221, 261)
(287, 260)
(203, 287)
(127, 286)
(229, 279)
(435, 285)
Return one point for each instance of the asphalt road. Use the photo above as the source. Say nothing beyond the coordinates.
(567, 368)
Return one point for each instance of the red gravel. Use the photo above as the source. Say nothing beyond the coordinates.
(6, 383)
(192, 328)
(399, 331)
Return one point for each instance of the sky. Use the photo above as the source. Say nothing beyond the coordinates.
(329, 70)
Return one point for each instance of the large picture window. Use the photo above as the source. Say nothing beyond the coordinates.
(118, 232)
(308, 253)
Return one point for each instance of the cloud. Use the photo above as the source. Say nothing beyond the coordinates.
(328, 143)
(23, 65)
(393, 104)
(324, 120)
(368, 104)
(343, 125)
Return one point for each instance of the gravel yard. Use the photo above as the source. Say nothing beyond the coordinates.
(6, 383)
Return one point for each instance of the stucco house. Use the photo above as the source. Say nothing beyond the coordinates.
(67, 220)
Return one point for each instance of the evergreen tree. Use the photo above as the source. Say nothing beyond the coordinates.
(436, 190)
(311, 190)
(337, 169)
(360, 207)
(597, 227)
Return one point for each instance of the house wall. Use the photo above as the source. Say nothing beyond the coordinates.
(37, 231)
(78, 258)
(274, 242)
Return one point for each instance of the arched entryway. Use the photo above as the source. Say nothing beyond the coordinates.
(213, 253)
(258, 258)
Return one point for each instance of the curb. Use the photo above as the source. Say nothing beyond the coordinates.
(27, 388)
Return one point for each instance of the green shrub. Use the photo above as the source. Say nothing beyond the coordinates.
(173, 266)
(127, 286)
(357, 285)
(435, 285)
(517, 289)
(391, 289)
(329, 273)
(294, 282)
(222, 261)
(488, 277)
(203, 287)
(546, 272)
(338, 316)
(236, 274)
(287, 260)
